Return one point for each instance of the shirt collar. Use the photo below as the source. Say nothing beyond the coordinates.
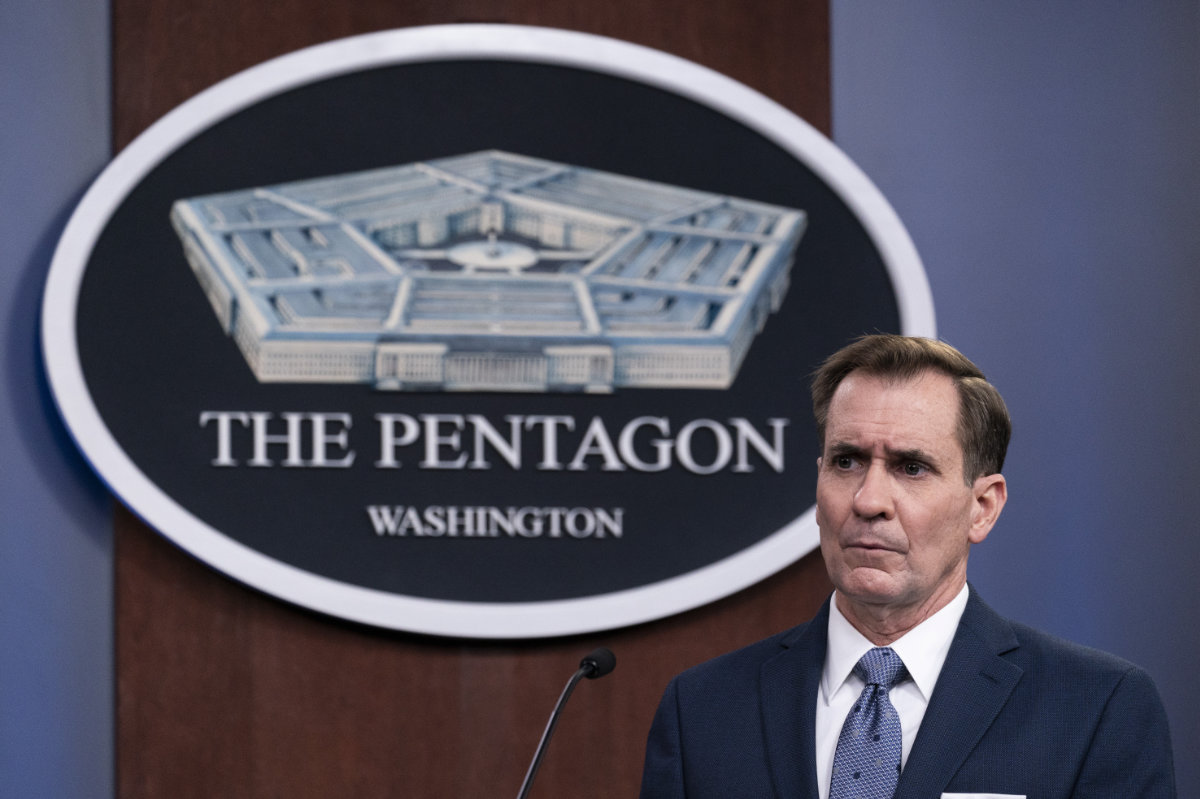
(923, 648)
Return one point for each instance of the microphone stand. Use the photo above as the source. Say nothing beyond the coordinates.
(597, 664)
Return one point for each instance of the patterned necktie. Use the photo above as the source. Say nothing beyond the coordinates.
(867, 762)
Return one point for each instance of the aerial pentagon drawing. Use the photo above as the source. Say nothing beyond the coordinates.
(490, 272)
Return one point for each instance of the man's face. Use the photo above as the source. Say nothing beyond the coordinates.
(897, 517)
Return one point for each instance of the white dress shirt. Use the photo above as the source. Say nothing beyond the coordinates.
(923, 650)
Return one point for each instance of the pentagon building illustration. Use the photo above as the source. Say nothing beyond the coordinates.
(490, 272)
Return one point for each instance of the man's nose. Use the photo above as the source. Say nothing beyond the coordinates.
(874, 496)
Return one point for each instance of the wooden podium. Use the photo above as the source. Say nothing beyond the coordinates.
(224, 692)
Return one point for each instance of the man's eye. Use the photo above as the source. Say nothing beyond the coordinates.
(843, 461)
(914, 469)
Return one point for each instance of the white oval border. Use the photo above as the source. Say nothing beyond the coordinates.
(424, 44)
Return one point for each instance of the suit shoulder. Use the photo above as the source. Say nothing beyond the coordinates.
(744, 661)
(1059, 659)
(1042, 652)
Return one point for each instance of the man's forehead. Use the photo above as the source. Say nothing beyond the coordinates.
(899, 414)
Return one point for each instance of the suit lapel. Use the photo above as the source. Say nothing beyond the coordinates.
(788, 696)
(973, 686)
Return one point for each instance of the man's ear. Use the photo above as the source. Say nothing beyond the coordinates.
(991, 492)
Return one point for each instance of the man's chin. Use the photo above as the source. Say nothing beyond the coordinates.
(867, 585)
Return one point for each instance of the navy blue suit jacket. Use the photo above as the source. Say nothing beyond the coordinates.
(1015, 711)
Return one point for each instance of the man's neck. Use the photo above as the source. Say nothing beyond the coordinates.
(884, 624)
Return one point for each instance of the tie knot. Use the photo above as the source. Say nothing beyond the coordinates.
(880, 666)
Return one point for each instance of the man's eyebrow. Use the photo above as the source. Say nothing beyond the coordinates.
(910, 455)
(840, 448)
(917, 456)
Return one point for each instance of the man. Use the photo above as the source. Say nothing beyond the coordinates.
(905, 683)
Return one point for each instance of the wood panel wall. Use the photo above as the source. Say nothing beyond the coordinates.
(224, 692)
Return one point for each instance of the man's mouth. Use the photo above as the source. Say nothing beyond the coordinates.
(871, 546)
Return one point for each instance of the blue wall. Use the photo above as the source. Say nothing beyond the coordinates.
(56, 676)
(1045, 158)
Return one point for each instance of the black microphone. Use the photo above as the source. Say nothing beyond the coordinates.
(595, 664)
(598, 662)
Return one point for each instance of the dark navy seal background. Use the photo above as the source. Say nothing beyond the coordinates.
(154, 356)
